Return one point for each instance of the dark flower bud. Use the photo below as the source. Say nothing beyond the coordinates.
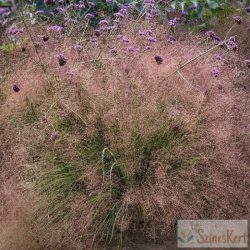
(45, 38)
(61, 59)
(247, 63)
(97, 32)
(220, 87)
(16, 88)
(158, 59)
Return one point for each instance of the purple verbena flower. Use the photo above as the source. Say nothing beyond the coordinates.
(78, 48)
(141, 33)
(172, 22)
(149, 32)
(45, 38)
(122, 12)
(151, 39)
(3, 11)
(13, 30)
(89, 15)
(39, 12)
(113, 51)
(118, 14)
(210, 34)
(98, 32)
(61, 59)
(54, 135)
(125, 40)
(103, 23)
(215, 72)
(171, 40)
(131, 49)
(217, 57)
(184, 13)
(247, 9)
(238, 19)
(80, 5)
(247, 63)
(231, 44)
(16, 88)
(158, 59)
(56, 28)
(91, 4)
(44, 120)
(149, 16)
(69, 20)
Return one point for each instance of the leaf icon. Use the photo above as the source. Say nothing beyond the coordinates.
(190, 238)
(181, 240)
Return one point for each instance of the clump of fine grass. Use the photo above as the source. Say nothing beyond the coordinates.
(30, 114)
(57, 183)
(117, 171)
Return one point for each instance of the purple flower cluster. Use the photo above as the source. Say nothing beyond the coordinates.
(247, 9)
(215, 72)
(247, 63)
(80, 5)
(61, 59)
(39, 12)
(3, 11)
(238, 19)
(123, 12)
(113, 51)
(124, 39)
(56, 28)
(171, 40)
(151, 9)
(103, 22)
(16, 88)
(54, 135)
(13, 30)
(217, 57)
(231, 44)
(89, 16)
(158, 59)
(211, 34)
(173, 22)
(78, 48)
(151, 39)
